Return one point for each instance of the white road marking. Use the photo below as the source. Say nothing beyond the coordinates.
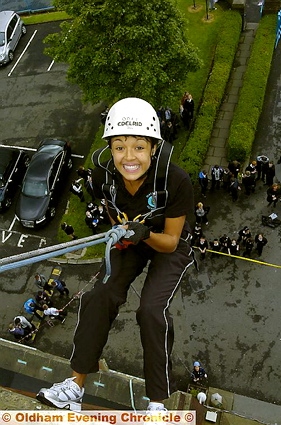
(25, 49)
(13, 222)
(51, 64)
(19, 147)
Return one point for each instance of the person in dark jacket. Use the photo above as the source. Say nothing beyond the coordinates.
(260, 241)
(234, 188)
(225, 242)
(249, 182)
(202, 246)
(273, 194)
(249, 245)
(198, 374)
(270, 174)
(234, 167)
(196, 234)
(60, 286)
(244, 234)
(215, 246)
(68, 229)
(262, 166)
(188, 111)
(233, 247)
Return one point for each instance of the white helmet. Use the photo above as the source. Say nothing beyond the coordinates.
(133, 117)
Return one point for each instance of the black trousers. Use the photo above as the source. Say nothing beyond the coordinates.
(99, 307)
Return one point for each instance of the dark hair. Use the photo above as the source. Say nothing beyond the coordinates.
(17, 321)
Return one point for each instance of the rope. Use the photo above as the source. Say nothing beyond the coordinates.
(19, 260)
(264, 263)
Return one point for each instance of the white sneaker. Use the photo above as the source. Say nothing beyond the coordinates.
(155, 415)
(64, 395)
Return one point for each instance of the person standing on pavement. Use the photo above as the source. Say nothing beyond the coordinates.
(157, 233)
(249, 182)
(215, 246)
(226, 178)
(270, 174)
(225, 242)
(198, 373)
(40, 280)
(24, 324)
(252, 167)
(233, 248)
(60, 286)
(244, 234)
(203, 181)
(202, 246)
(234, 188)
(16, 330)
(216, 174)
(234, 167)
(273, 194)
(249, 245)
(262, 166)
(201, 213)
(260, 241)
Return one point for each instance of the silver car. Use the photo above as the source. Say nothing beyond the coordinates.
(11, 30)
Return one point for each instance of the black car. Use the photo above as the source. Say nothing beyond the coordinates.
(40, 188)
(13, 164)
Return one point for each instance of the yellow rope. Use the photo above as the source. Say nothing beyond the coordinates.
(243, 258)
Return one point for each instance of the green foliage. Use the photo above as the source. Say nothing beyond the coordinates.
(194, 153)
(125, 48)
(249, 107)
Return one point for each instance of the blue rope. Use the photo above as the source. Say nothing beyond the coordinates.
(110, 238)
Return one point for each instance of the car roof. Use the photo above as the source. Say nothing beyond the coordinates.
(6, 155)
(42, 160)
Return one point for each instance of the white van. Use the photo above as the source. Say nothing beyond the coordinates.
(11, 30)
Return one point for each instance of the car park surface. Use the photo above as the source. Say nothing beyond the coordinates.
(41, 186)
(38, 103)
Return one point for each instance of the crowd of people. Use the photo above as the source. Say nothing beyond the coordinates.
(234, 180)
(243, 245)
(40, 305)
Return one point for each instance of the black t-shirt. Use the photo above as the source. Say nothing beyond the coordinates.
(179, 202)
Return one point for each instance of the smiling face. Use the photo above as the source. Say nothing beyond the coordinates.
(132, 156)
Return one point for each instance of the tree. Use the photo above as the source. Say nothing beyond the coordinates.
(122, 48)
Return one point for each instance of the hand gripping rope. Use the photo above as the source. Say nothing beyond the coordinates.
(110, 238)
